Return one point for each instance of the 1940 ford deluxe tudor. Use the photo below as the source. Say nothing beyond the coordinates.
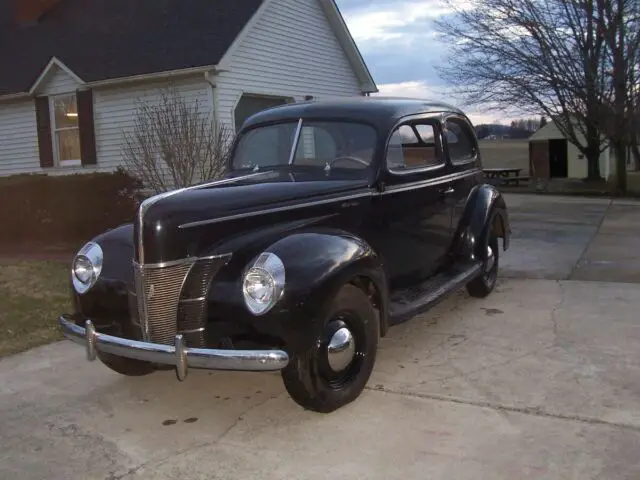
(335, 220)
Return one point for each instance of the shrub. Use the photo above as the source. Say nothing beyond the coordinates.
(174, 143)
(65, 208)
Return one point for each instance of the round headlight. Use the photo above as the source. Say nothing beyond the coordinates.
(86, 267)
(263, 283)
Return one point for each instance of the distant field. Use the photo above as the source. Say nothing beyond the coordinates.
(506, 153)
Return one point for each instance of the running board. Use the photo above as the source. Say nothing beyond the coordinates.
(407, 303)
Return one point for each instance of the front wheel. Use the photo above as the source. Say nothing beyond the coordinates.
(336, 369)
(483, 284)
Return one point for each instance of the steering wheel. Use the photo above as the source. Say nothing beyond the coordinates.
(347, 157)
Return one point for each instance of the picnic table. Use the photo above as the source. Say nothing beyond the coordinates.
(504, 175)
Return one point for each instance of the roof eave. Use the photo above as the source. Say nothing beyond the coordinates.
(116, 81)
(14, 96)
(341, 30)
(155, 76)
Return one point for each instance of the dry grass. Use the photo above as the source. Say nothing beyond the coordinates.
(32, 294)
(505, 154)
(515, 154)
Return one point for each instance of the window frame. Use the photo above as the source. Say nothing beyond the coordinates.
(464, 125)
(299, 124)
(55, 129)
(438, 141)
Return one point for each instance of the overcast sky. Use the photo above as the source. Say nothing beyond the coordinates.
(401, 47)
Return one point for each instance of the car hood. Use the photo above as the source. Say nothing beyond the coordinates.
(168, 221)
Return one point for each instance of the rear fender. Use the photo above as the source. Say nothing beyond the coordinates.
(485, 209)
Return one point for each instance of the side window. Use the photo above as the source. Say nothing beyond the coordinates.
(413, 146)
(460, 142)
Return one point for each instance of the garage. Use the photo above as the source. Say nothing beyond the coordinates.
(250, 104)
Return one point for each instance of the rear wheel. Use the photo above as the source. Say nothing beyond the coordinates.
(483, 284)
(336, 369)
(126, 366)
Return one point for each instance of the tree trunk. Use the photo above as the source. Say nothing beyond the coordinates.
(593, 154)
(635, 150)
(621, 166)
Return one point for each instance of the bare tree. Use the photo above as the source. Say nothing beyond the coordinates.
(540, 56)
(175, 144)
(619, 25)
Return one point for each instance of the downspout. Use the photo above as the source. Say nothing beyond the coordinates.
(211, 94)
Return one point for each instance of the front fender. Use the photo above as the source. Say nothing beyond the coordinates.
(107, 302)
(318, 263)
(485, 208)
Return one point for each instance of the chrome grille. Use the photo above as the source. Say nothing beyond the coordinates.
(192, 311)
(171, 299)
(158, 291)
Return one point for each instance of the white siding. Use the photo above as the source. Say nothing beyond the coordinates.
(115, 110)
(291, 51)
(57, 81)
(18, 138)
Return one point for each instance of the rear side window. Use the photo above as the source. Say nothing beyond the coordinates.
(413, 147)
(460, 142)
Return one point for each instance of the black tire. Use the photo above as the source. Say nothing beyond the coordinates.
(483, 284)
(126, 366)
(309, 379)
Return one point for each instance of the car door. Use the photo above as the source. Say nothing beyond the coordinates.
(411, 224)
(461, 147)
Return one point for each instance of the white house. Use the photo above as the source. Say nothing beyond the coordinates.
(72, 70)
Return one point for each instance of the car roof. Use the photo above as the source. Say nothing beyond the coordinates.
(383, 112)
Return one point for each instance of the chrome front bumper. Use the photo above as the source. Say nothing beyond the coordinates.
(178, 355)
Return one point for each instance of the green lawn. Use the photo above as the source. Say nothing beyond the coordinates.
(32, 294)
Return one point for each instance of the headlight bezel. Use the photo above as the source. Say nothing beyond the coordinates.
(271, 268)
(92, 253)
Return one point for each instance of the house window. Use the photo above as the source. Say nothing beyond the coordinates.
(66, 131)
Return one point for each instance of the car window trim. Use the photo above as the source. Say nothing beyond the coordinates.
(430, 182)
(410, 121)
(474, 158)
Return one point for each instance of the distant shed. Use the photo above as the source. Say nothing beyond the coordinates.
(551, 155)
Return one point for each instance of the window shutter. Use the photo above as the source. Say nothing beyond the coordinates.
(43, 123)
(86, 127)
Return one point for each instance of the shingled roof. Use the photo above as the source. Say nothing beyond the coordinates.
(107, 39)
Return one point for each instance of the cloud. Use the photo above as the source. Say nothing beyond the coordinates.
(420, 89)
(385, 20)
(402, 48)
(398, 38)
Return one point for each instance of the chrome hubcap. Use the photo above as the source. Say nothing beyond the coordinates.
(491, 259)
(341, 349)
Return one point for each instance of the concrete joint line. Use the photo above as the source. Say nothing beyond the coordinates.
(533, 411)
(586, 248)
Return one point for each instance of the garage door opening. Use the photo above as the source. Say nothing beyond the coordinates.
(252, 104)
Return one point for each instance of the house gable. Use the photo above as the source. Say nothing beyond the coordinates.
(56, 78)
(342, 38)
(549, 132)
(288, 52)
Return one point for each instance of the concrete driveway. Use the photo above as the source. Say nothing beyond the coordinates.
(540, 380)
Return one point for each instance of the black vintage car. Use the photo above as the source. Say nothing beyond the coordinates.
(336, 220)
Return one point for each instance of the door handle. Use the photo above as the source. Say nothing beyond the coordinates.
(449, 191)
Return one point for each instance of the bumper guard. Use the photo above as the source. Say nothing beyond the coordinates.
(179, 355)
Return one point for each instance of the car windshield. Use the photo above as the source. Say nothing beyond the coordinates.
(326, 145)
